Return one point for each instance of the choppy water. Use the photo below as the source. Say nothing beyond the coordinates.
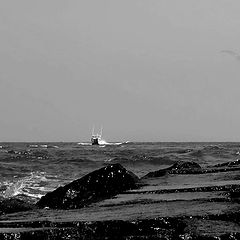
(30, 170)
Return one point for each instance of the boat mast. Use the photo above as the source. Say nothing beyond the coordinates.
(101, 131)
(93, 130)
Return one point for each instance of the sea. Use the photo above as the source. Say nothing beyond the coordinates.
(30, 170)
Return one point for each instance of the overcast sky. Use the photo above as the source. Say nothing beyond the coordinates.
(147, 70)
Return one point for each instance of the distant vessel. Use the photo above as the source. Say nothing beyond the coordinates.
(96, 138)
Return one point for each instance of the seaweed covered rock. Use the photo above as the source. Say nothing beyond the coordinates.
(180, 167)
(95, 186)
(14, 205)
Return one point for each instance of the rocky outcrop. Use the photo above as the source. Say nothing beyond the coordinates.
(161, 228)
(95, 186)
(229, 164)
(14, 205)
(157, 228)
(185, 167)
(234, 194)
(180, 167)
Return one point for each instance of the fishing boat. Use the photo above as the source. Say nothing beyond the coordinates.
(96, 138)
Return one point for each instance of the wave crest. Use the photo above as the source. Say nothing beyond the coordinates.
(33, 186)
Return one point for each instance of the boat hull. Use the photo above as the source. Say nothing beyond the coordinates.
(94, 141)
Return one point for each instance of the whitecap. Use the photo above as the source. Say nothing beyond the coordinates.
(108, 160)
(33, 146)
(34, 185)
(38, 196)
(44, 146)
(13, 189)
(84, 143)
(102, 142)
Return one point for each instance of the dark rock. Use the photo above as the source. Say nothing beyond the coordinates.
(179, 167)
(14, 205)
(185, 167)
(229, 164)
(234, 193)
(158, 173)
(95, 186)
(158, 228)
(162, 228)
(223, 167)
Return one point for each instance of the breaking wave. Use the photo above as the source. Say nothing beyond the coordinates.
(42, 146)
(34, 185)
(103, 142)
(85, 143)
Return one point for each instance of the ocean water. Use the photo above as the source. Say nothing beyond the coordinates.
(30, 170)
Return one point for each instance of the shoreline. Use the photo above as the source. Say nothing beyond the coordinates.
(116, 204)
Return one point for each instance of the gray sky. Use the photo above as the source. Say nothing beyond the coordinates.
(147, 70)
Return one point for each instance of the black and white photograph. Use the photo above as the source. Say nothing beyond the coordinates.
(120, 120)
